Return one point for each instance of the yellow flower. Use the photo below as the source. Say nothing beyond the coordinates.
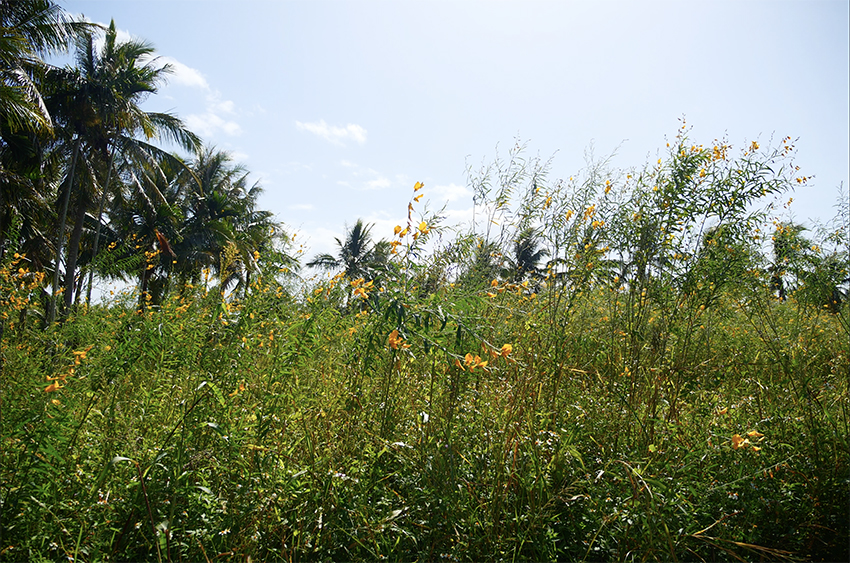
(506, 350)
(494, 283)
(474, 361)
(423, 227)
(418, 186)
(417, 198)
(739, 442)
(237, 391)
(397, 229)
(396, 341)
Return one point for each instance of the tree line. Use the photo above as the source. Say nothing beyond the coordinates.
(86, 187)
(86, 191)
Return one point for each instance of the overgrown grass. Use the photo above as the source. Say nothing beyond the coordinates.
(686, 415)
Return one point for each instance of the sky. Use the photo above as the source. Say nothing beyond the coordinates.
(338, 108)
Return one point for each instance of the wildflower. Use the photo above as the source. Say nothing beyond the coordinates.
(506, 350)
(474, 361)
(494, 283)
(418, 186)
(417, 198)
(395, 341)
(238, 390)
(739, 442)
(423, 227)
(397, 229)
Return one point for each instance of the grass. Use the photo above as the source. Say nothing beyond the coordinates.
(296, 432)
(684, 416)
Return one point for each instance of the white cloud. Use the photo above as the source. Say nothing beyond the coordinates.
(378, 183)
(458, 217)
(219, 113)
(333, 133)
(301, 207)
(208, 123)
(452, 192)
(363, 178)
(184, 75)
(215, 118)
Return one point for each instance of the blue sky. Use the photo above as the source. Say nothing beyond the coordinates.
(338, 108)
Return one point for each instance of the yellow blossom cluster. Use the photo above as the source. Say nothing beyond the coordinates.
(396, 341)
(519, 288)
(16, 285)
(362, 287)
(739, 442)
(59, 380)
(471, 362)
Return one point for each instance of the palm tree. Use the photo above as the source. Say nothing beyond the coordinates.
(223, 229)
(97, 104)
(788, 248)
(526, 256)
(28, 30)
(358, 256)
(213, 199)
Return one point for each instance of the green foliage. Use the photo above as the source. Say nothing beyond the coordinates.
(647, 395)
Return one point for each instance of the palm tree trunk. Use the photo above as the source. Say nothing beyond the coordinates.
(73, 254)
(51, 313)
(97, 228)
(143, 287)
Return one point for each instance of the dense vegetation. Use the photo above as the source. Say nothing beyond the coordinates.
(644, 364)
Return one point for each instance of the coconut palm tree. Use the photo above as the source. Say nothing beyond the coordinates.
(789, 246)
(526, 256)
(97, 104)
(28, 30)
(358, 256)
